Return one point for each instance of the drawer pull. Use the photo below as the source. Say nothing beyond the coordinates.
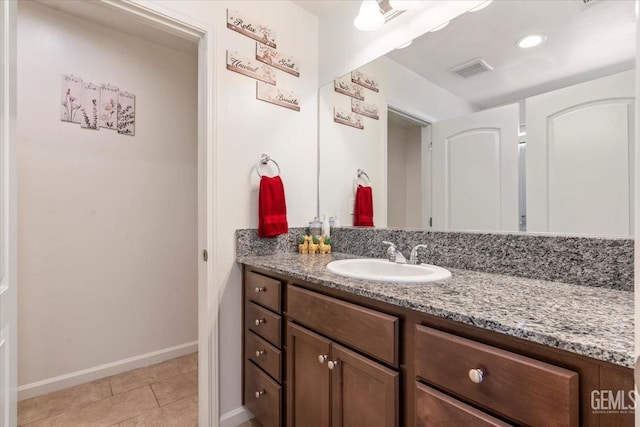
(258, 290)
(476, 375)
(259, 322)
(260, 353)
(332, 364)
(322, 358)
(260, 393)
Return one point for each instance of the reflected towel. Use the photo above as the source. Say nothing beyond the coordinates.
(272, 208)
(363, 209)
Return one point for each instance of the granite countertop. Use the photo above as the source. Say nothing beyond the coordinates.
(590, 321)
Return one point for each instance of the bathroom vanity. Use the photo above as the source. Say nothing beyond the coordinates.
(478, 349)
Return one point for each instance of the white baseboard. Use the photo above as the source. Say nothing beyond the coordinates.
(235, 418)
(85, 375)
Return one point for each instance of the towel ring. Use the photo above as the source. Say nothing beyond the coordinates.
(359, 175)
(264, 159)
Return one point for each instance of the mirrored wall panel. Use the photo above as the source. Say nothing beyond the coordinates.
(518, 117)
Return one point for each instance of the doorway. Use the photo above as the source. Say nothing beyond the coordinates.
(201, 213)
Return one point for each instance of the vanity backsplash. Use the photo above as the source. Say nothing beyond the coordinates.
(588, 261)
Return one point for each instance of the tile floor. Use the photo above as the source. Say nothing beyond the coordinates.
(165, 394)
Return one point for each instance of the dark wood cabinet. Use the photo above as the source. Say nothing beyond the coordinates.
(392, 366)
(330, 385)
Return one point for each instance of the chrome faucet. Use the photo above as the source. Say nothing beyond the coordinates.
(394, 255)
(413, 258)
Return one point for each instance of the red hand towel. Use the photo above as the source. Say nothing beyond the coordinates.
(363, 209)
(272, 208)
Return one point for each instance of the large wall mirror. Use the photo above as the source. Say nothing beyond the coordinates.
(475, 132)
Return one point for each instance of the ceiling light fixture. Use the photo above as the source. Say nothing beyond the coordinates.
(439, 27)
(369, 18)
(404, 4)
(407, 44)
(481, 6)
(531, 41)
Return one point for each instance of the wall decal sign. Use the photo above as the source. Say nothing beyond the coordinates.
(365, 80)
(126, 113)
(108, 106)
(71, 98)
(364, 108)
(250, 68)
(276, 59)
(90, 105)
(248, 27)
(346, 117)
(347, 88)
(277, 96)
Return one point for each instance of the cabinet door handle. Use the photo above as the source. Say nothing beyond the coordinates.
(259, 322)
(258, 290)
(332, 364)
(260, 353)
(322, 358)
(260, 393)
(476, 375)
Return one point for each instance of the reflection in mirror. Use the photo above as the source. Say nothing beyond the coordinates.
(474, 132)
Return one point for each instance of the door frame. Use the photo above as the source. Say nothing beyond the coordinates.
(8, 216)
(157, 16)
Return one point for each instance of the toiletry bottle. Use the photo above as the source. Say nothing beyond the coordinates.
(336, 221)
(326, 228)
(315, 227)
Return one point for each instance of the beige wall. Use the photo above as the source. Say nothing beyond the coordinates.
(107, 227)
(404, 159)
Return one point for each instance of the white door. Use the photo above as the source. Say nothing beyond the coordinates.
(579, 158)
(475, 171)
(8, 291)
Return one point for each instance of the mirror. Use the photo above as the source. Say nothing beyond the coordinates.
(464, 130)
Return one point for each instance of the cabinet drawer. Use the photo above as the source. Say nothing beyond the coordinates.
(369, 331)
(263, 322)
(264, 355)
(437, 409)
(262, 396)
(263, 290)
(516, 387)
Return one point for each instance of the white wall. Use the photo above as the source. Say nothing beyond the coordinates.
(343, 149)
(107, 223)
(246, 128)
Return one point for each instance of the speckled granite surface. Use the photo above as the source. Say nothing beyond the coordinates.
(601, 262)
(590, 321)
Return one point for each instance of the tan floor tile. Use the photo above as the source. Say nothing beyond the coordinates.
(183, 413)
(176, 388)
(105, 412)
(251, 423)
(151, 374)
(37, 408)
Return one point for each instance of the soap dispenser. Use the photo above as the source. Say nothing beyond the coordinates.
(315, 227)
(326, 228)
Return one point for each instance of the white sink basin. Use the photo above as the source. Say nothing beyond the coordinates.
(382, 270)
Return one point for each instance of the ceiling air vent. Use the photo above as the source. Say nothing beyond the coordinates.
(472, 68)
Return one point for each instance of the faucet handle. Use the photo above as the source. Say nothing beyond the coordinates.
(413, 257)
(391, 251)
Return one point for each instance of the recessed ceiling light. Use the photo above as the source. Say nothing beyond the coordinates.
(407, 44)
(481, 6)
(439, 27)
(531, 41)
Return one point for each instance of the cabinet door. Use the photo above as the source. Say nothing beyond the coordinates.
(364, 393)
(307, 378)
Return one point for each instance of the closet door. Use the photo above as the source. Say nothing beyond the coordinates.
(580, 158)
(8, 267)
(475, 171)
